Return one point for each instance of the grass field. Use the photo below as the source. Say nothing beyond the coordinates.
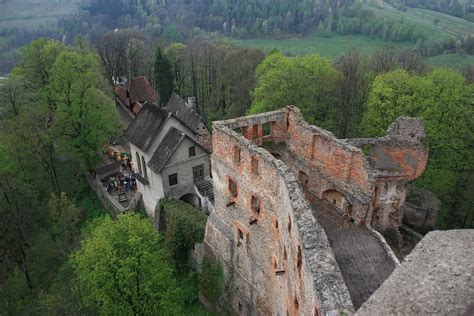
(451, 61)
(327, 46)
(435, 26)
(32, 13)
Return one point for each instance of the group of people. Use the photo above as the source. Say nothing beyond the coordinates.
(122, 182)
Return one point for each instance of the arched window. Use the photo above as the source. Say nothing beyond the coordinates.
(138, 163)
(145, 174)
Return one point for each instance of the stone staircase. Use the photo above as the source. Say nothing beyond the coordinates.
(206, 189)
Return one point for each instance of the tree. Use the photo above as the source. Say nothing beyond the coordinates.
(164, 79)
(125, 269)
(384, 59)
(84, 118)
(36, 61)
(65, 217)
(308, 82)
(118, 52)
(352, 92)
(13, 91)
(18, 216)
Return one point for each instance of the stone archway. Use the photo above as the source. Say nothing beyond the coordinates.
(336, 198)
(192, 199)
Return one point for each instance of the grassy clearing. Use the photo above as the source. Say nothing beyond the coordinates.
(328, 46)
(32, 13)
(435, 26)
(455, 61)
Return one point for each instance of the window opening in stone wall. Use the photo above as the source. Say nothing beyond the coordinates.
(254, 165)
(192, 151)
(238, 130)
(255, 204)
(233, 188)
(236, 154)
(240, 234)
(313, 147)
(239, 307)
(276, 224)
(173, 179)
(289, 225)
(267, 129)
(285, 255)
(275, 264)
(145, 173)
(139, 163)
(299, 260)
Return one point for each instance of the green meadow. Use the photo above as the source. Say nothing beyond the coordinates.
(328, 46)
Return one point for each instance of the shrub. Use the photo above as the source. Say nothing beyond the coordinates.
(211, 280)
(185, 225)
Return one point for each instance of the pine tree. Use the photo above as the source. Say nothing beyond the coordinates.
(164, 80)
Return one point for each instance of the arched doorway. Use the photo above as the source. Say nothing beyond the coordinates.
(192, 199)
(303, 180)
(335, 197)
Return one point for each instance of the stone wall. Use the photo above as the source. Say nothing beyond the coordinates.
(276, 257)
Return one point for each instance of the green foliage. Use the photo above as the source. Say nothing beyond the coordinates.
(308, 82)
(65, 218)
(125, 269)
(41, 158)
(84, 116)
(211, 280)
(185, 225)
(164, 79)
(445, 102)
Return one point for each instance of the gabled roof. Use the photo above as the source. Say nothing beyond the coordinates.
(140, 90)
(121, 92)
(166, 149)
(183, 112)
(146, 126)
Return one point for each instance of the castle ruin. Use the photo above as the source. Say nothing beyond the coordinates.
(298, 212)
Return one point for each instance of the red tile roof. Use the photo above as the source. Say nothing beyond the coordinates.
(140, 90)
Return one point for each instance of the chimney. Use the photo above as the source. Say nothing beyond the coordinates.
(192, 103)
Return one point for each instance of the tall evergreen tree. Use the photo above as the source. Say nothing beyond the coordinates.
(164, 80)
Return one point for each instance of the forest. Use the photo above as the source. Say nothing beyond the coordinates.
(181, 21)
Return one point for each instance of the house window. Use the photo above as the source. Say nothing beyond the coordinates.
(240, 234)
(236, 154)
(192, 151)
(255, 205)
(254, 165)
(145, 174)
(233, 188)
(173, 179)
(138, 163)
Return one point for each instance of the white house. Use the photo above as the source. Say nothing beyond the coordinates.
(168, 159)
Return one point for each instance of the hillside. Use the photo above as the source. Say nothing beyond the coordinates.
(435, 26)
(32, 13)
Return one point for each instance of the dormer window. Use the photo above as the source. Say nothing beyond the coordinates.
(192, 151)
